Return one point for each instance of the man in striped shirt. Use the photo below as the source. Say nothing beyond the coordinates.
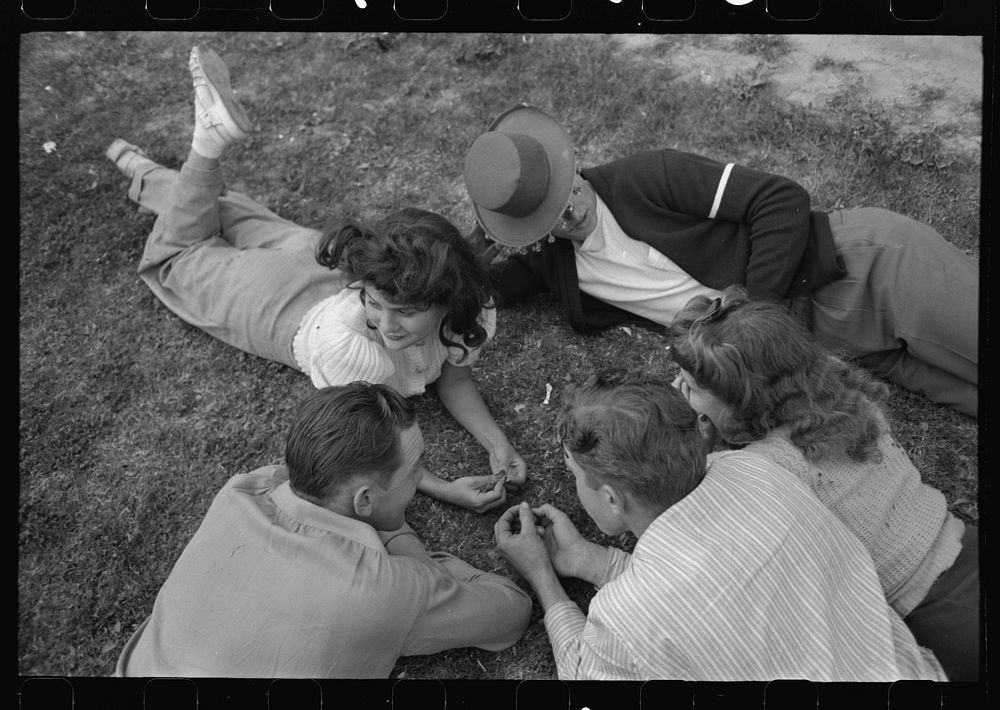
(634, 239)
(738, 574)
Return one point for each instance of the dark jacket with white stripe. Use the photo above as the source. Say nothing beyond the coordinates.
(722, 224)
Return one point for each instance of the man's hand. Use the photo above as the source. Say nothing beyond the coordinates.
(477, 493)
(504, 460)
(518, 540)
(570, 553)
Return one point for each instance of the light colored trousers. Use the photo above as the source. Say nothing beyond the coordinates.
(908, 306)
(227, 264)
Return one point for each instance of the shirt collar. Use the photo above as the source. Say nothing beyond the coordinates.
(317, 516)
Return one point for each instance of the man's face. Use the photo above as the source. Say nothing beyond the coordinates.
(594, 501)
(579, 218)
(391, 500)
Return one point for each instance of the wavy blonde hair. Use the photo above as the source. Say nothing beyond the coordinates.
(771, 373)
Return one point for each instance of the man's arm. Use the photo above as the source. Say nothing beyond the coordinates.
(572, 555)
(775, 209)
(595, 655)
(668, 186)
(515, 280)
(465, 607)
(577, 657)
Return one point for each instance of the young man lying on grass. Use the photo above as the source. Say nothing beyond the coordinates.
(310, 570)
(636, 238)
(739, 572)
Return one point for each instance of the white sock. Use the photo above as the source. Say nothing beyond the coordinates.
(205, 144)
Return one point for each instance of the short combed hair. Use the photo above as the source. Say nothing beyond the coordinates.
(339, 432)
(634, 431)
(772, 372)
(417, 258)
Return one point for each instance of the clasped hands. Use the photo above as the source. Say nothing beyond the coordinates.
(541, 541)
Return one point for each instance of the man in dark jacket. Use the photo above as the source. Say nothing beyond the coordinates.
(633, 240)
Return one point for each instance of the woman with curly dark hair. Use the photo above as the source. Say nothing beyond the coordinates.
(405, 303)
(761, 382)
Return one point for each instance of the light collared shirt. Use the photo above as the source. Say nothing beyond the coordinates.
(334, 346)
(632, 275)
(748, 578)
(274, 586)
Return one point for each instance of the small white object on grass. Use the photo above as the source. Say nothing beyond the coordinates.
(548, 393)
(49, 146)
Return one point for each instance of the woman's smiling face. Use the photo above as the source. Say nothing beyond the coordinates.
(399, 324)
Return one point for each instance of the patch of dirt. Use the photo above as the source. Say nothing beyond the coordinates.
(923, 82)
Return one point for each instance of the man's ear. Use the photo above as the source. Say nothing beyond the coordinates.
(613, 498)
(363, 500)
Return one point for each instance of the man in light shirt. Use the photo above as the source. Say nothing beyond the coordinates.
(739, 572)
(310, 570)
(634, 239)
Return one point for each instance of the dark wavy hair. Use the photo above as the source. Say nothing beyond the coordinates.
(420, 259)
(771, 372)
(339, 432)
(635, 431)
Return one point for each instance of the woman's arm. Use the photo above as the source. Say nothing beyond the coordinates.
(477, 493)
(460, 396)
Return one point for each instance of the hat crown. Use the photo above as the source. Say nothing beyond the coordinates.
(507, 172)
(519, 175)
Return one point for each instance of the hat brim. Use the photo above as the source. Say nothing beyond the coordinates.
(558, 146)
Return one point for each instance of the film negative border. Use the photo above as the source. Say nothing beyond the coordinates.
(251, 694)
(827, 16)
(830, 16)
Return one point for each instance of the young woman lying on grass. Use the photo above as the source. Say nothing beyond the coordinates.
(405, 304)
(760, 382)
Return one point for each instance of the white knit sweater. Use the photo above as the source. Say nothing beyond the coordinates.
(904, 523)
(334, 347)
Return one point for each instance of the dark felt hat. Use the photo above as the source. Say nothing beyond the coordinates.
(519, 175)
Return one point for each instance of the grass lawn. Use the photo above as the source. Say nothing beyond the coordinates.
(131, 420)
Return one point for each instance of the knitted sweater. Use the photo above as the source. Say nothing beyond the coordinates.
(722, 224)
(334, 346)
(904, 523)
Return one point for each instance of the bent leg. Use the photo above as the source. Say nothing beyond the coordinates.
(252, 298)
(906, 289)
(243, 222)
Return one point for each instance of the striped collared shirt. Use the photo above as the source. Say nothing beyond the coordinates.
(749, 577)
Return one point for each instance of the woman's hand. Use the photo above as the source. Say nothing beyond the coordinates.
(477, 493)
(505, 461)
(461, 397)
